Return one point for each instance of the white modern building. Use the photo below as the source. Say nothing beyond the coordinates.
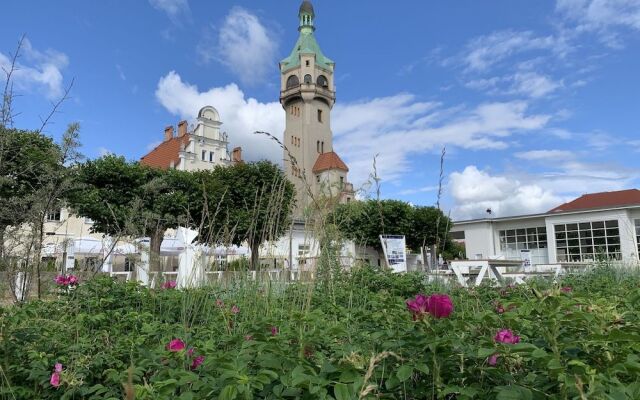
(592, 227)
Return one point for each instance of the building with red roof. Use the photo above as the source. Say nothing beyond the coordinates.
(592, 227)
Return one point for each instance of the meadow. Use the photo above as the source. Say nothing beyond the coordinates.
(360, 335)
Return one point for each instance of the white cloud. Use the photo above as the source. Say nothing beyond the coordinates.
(399, 127)
(545, 155)
(485, 51)
(121, 72)
(599, 15)
(41, 71)
(527, 83)
(475, 191)
(512, 193)
(395, 127)
(241, 116)
(424, 189)
(103, 151)
(173, 8)
(245, 46)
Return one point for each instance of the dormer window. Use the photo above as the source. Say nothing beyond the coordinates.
(307, 63)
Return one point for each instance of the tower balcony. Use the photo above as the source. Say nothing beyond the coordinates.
(308, 91)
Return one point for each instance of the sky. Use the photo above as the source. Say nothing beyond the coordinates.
(535, 103)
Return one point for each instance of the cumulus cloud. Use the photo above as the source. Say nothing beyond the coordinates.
(474, 190)
(241, 116)
(244, 45)
(401, 126)
(40, 71)
(173, 8)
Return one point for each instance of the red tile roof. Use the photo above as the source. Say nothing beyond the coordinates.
(328, 161)
(165, 153)
(619, 198)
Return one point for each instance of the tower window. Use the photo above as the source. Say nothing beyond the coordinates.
(322, 81)
(292, 81)
(319, 115)
(308, 79)
(211, 156)
(322, 147)
(204, 155)
(307, 63)
(318, 146)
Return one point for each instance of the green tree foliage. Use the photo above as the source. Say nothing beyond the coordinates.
(364, 221)
(245, 202)
(26, 160)
(128, 199)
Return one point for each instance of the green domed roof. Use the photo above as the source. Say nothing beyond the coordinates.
(306, 7)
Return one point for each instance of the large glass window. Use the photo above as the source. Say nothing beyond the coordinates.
(588, 241)
(523, 239)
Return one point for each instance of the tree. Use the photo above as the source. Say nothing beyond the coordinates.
(129, 199)
(26, 157)
(364, 222)
(245, 202)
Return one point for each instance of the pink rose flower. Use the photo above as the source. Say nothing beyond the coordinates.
(235, 309)
(506, 336)
(72, 280)
(440, 305)
(169, 285)
(219, 303)
(61, 280)
(493, 360)
(418, 305)
(176, 345)
(567, 289)
(274, 330)
(197, 362)
(55, 376)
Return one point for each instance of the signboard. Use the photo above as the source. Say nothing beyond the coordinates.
(525, 256)
(394, 247)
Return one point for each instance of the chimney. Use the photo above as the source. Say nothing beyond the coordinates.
(236, 155)
(182, 128)
(168, 133)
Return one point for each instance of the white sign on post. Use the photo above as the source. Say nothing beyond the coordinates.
(394, 247)
(525, 256)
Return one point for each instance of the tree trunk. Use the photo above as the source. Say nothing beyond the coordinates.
(154, 249)
(2, 230)
(255, 256)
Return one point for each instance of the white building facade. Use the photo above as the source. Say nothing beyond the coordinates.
(599, 226)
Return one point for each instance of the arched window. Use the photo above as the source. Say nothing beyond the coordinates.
(293, 81)
(308, 79)
(322, 81)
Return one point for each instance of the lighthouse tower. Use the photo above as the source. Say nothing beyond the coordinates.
(307, 94)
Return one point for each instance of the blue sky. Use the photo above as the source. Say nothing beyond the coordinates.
(536, 102)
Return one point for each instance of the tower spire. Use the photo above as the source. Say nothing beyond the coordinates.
(306, 16)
